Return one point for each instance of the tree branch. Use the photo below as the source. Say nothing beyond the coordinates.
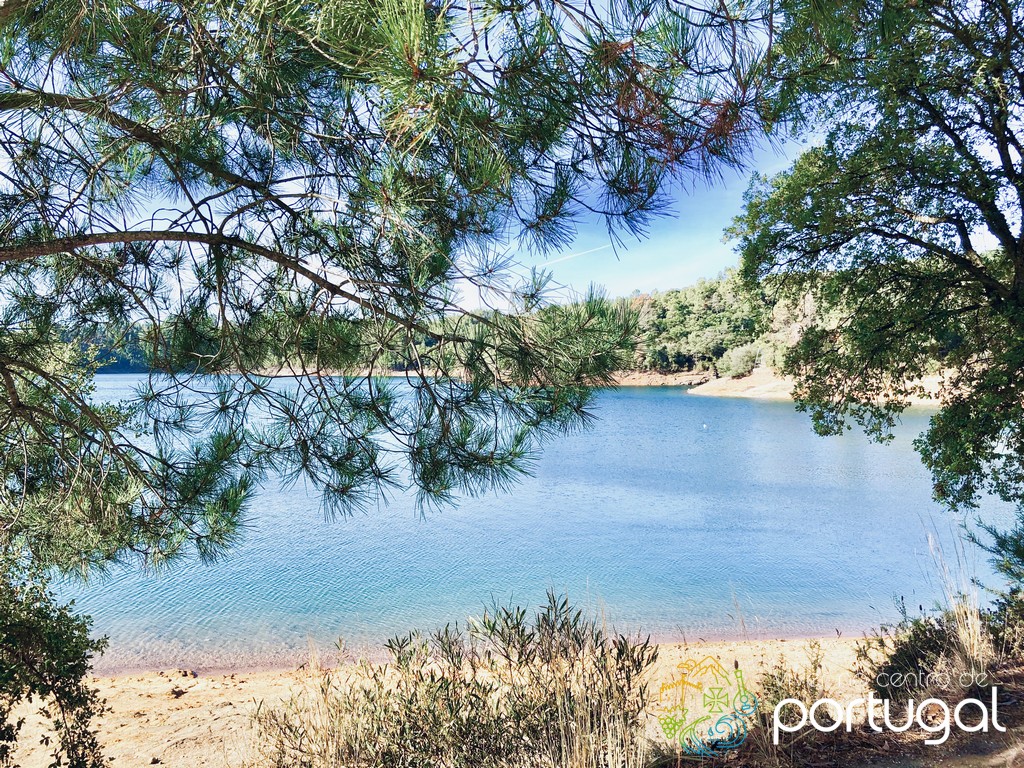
(69, 244)
(98, 109)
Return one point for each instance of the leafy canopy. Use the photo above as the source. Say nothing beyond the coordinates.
(904, 226)
(247, 188)
(700, 325)
(234, 192)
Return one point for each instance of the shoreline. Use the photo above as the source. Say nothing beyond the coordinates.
(764, 384)
(760, 384)
(658, 379)
(176, 719)
(290, 660)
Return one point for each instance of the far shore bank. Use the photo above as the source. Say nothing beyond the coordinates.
(760, 384)
(765, 384)
(178, 718)
(619, 378)
(660, 379)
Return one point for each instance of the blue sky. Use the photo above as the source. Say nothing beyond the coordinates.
(680, 248)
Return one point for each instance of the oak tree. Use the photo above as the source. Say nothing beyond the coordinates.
(903, 224)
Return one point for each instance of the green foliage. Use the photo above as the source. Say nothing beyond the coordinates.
(78, 495)
(905, 653)
(45, 654)
(1006, 548)
(739, 361)
(889, 226)
(230, 189)
(1006, 622)
(553, 690)
(126, 354)
(949, 651)
(781, 681)
(694, 328)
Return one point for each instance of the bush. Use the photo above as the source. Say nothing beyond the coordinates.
(46, 653)
(739, 361)
(945, 652)
(781, 681)
(1006, 624)
(510, 692)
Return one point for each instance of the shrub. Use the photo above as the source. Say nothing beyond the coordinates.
(1005, 621)
(509, 692)
(45, 654)
(781, 681)
(739, 361)
(936, 652)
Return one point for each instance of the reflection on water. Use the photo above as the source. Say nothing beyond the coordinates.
(684, 516)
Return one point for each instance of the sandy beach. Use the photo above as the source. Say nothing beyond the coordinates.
(659, 379)
(172, 718)
(764, 384)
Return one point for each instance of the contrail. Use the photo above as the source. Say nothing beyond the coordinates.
(574, 255)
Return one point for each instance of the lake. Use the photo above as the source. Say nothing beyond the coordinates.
(678, 515)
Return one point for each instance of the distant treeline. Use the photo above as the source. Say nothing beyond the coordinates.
(124, 354)
(714, 325)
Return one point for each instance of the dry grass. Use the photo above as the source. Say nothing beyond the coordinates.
(510, 692)
(556, 690)
(973, 653)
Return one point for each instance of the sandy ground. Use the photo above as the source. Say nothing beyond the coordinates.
(762, 383)
(765, 384)
(173, 719)
(656, 379)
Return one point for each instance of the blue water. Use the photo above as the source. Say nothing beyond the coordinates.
(684, 516)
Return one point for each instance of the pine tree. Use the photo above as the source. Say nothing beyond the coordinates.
(317, 187)
(250, 188)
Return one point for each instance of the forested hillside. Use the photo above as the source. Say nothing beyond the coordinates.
(712, 326)
(715, 325)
